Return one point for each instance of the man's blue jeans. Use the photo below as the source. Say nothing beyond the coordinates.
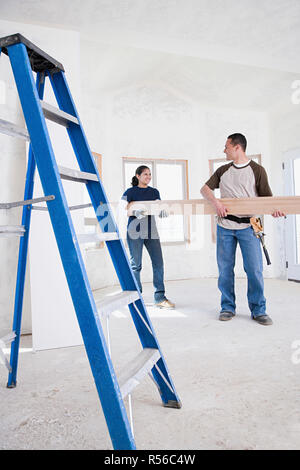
(253, 265)
(154, 249)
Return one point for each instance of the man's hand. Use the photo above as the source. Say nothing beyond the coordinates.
(278, 214)
(208, 194)
(221, 209)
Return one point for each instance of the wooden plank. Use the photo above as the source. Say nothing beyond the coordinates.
(241, 206)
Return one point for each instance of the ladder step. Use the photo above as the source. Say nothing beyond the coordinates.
(116, 301)
(76, 175)
(11, 129)
(97, 237)
(137, 369)
(3, 342)
(7, 339)
(12, 230)
(57, 115)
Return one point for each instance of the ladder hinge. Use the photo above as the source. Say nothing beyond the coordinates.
(286, 264)
(283, 166)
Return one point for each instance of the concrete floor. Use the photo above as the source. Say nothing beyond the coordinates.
(238, 384)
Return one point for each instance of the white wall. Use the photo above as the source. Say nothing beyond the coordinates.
(13, 168)
(151, 120)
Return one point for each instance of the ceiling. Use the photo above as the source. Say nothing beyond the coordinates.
(233, 53)
(212, 83)
(263, 33)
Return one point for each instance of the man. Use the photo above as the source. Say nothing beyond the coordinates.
(240, 178)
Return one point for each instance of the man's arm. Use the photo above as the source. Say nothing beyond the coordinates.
(262, 185)
(208, 194)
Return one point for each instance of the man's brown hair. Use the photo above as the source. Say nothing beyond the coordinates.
(238, 139)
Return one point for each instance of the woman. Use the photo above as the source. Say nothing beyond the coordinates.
(142, 230)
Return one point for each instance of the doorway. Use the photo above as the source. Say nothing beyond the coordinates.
(292, 185)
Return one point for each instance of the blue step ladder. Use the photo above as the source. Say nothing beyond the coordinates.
(26, 58)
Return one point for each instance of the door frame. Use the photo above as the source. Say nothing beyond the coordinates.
(293, 268)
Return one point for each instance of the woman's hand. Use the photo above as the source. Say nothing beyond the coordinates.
(139, 214)
(163, 214)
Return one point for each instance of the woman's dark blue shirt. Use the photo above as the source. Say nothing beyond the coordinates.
(146, 225)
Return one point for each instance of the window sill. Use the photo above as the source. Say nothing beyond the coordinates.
(183, 242)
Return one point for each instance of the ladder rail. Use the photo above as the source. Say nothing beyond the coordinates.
(23, 250)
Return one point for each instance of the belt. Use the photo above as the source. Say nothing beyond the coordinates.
(239, 220)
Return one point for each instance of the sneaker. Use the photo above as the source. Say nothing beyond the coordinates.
(225, 316)
(165, 304)
(263, 320)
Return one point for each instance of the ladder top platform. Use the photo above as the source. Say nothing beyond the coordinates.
(39, 60)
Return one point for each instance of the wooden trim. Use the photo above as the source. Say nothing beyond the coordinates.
(188, 222)
(98, 158)
(218, 160)
(151, 159)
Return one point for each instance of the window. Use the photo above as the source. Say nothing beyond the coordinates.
(90, 222)
(214, 164)
(170, 178)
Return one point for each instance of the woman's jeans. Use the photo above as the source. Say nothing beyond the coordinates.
(252, 258)
(154, 249)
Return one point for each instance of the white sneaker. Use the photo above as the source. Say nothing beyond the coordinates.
(165, 304)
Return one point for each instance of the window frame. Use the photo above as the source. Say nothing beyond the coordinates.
(153, 161)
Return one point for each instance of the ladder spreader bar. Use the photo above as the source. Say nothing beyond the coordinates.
(71, 208)
(11, 129)
(12, 230)
(10, 205)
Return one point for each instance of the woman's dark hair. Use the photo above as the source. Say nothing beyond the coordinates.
(138, 171)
